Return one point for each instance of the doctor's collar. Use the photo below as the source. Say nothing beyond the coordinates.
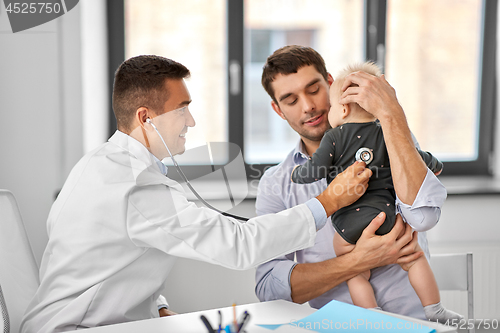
(138, 150)
(163, 168)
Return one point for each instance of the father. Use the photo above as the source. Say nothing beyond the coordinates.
(296, 79)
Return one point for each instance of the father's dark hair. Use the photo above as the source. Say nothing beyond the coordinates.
(140, 81)
(288, 60)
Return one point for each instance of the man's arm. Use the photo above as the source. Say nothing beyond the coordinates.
(310, 280)
(375, 95)
(273, 277)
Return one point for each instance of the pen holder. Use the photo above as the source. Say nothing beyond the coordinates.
(234, 327)
(231, 329)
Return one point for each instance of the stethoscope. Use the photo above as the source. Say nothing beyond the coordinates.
(184, 178)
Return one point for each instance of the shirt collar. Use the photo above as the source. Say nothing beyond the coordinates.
(299, 153)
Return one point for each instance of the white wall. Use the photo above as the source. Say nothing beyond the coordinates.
(471, 224)
(95, 90)
(40, 104)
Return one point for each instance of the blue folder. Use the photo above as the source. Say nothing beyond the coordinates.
(346, 317)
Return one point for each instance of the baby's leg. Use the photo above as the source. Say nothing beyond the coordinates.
(423, 281)
(359, 286)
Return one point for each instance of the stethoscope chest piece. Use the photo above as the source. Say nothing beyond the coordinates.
(364, 154)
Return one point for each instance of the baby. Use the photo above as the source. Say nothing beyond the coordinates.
(357, 135)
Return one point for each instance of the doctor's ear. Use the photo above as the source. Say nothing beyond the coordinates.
(142, 116)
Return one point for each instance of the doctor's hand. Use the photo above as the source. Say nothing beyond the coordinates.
(164, 312)
(400, 245)
(346, 188)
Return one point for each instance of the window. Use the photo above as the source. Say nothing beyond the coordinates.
(436, 66)
(439, 56)
(268, 138)
(169, 28)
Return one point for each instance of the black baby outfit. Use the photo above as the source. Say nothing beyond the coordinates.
(336, 153)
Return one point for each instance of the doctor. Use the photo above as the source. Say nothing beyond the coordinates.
(119, 223)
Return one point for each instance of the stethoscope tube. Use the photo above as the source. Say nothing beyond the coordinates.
(184, 178)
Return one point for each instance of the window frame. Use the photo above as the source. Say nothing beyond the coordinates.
(375, 33)
(375, 16)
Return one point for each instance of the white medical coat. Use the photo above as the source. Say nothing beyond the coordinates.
(117, 227)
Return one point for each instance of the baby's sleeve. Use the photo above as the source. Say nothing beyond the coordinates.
(432, 163)
(318, 166)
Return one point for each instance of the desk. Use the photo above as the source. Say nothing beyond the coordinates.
(273, 312)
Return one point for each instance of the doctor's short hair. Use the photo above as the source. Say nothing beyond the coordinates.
(140, 81)
(288, 60)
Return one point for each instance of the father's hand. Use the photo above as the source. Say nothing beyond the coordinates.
(400, 245)
(346, 188)
(372, 93)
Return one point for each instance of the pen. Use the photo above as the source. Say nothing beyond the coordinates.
(240, 319)
(244, 321)
(207, 324)
(220, 321)
(234, 316)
